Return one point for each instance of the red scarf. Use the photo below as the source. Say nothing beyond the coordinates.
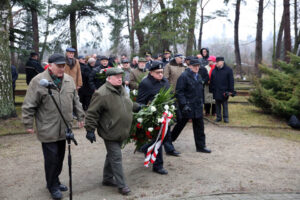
(212, 67)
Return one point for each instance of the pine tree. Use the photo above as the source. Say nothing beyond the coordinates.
(278, 92)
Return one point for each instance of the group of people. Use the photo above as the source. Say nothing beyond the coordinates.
(195, 81)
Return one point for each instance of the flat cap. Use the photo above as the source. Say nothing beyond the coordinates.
(57, 58)
(103, 58)
(148, 53)
(195, 62)
(167, 51)
(70, 49)
(125, 61)
(114, 71)
(156, 65)
(219, 59)
(80, 57)
(142, 60)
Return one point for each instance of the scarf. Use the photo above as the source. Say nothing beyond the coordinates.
(56, 80)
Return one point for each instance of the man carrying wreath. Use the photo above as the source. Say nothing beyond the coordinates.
(148, 88)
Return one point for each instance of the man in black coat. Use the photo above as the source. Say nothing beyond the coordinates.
(148, 88)
(94, 81)
(85, 92)
(189, 93)
(14, 74)
(222, 86)
(33, 67)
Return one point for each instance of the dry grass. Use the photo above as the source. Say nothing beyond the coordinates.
(13, 125)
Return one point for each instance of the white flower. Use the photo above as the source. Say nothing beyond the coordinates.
(160, 120)
(134, 92)
(140, 120)
(166, 107)
(172, 107)
(150, 129)
(152, 108)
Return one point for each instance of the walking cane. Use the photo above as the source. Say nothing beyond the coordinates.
(69, 137)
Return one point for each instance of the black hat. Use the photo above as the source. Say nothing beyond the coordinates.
(167, 51)
(70, 49)
(195, 62)
(155, 57)
(189, 57)
(125, 61)
(156, 65)
(178, 55)
(57, 58)
(32, 54)
(80, 57)
(219, 59)
(148, 53)
(103, 58)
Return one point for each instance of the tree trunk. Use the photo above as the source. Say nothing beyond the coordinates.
(130, 32)
(165, 43)
(191, 28)
(274, 36)
(73, 29)
(258, 45)
(279, 39)
(139, 32)
(236, 38)
(201, 27)
(47, 31)
(7, 107)
(287, 30)
(11, 39)
(297, 41)
(35, 29)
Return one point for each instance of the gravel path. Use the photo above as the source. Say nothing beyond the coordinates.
(240, 163)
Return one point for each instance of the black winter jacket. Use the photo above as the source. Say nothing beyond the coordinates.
(149, 87)
(32, 68)
(95, 82)
(85, 72)
(190, 92)
(221, 82)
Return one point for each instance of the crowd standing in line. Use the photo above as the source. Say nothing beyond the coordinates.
(102, 85)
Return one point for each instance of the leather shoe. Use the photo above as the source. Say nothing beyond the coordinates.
(109, 183)
(173, 153)
(218, 120)
(204, 150)
(226, 120)
(56, 194)
(125, 190)
(63, 188)
(161, 171)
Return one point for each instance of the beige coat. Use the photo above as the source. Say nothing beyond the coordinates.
(172, 72)
(75, 72)
(38, 105)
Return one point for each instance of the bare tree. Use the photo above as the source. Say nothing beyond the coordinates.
(202, 6)
(73, 33)
(279, 39)
(258, 44)
(297, 35)
(139, 31)
(35, 28)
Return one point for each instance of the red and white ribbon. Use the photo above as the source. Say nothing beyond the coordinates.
(152, 151)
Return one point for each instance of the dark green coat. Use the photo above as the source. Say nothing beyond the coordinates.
(110, 112)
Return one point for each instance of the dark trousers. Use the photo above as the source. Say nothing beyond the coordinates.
(198, 128)
(113, 163)
(85, 100)
(168, 142)
(54, 153)
(159, 162)
(224, 104)
(209, 106)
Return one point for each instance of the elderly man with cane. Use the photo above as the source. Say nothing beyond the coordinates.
(38, 105)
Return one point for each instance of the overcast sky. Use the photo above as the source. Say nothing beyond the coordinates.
(214, 28)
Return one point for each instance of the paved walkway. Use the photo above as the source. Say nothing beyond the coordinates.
(279, 196)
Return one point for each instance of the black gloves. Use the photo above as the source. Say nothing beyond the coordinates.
(186, 109)
(90, 135)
